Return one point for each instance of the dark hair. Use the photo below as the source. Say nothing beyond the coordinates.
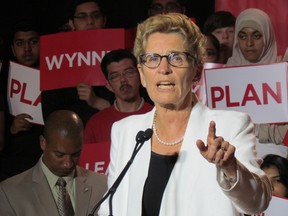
(116, 56)
(24, 26)
(282, 165)
(215, 43)
(101, 4)
(219, 19)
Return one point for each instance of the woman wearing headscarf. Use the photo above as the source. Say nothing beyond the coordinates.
(255, 43)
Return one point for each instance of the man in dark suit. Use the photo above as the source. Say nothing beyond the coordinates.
(34, 192)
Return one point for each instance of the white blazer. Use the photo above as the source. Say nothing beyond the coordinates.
(195, 187)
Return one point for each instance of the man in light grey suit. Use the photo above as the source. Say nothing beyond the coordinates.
(34, 192)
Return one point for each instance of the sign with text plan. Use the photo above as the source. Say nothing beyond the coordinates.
(259, 90)
(68, 58)
(23, 92)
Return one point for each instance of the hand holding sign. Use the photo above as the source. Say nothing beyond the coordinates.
(86, 93)
(21, 123)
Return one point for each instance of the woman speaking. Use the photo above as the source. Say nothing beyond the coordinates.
(198, 161)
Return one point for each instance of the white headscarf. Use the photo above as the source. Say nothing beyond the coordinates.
(259, 20)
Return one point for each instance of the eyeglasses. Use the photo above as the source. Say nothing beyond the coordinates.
(116, 76)
(170, 7)
(176, 59)
(84, 16)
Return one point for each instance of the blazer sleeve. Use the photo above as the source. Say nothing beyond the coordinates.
(5, 207)
(252, 192)
(272, 133)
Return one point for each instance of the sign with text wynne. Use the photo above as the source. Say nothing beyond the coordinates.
(259, 90)
(68, 58)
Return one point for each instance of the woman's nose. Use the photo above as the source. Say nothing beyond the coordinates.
(164, 66)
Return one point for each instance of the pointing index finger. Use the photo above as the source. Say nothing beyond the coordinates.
(212, 131)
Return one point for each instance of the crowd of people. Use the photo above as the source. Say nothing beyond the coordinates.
(199, 161)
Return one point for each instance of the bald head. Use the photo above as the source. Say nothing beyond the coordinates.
(64, 122)
(61, 142)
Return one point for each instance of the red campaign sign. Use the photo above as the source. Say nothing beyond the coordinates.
(95, 157)
(277, 11)
(68, 58)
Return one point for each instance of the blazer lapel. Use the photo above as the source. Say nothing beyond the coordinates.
(138, 172)
(43, 193)
(83, 194)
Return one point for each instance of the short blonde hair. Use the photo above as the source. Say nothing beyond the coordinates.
(193, 39)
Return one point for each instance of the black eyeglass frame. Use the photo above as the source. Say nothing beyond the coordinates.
(168, 56)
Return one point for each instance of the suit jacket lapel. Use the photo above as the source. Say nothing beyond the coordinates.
(83, 194)
(42, 191)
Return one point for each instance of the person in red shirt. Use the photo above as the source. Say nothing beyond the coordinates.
(120, 69)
